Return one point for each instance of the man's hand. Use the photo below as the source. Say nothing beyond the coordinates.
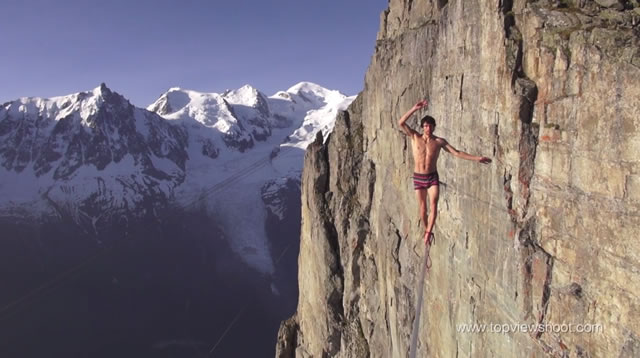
(420, 104)
(484, 160)
(410, 112)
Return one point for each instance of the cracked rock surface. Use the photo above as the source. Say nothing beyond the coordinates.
(546, 234)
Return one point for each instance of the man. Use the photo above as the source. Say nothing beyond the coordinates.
(426, 148)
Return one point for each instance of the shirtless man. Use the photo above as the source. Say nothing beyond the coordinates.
(426, 148)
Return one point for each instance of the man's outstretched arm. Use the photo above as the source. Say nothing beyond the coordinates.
(460, 154)
(402, 122)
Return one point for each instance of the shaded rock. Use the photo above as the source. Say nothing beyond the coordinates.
(617, 4)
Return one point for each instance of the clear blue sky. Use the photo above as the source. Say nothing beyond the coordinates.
(141, 48)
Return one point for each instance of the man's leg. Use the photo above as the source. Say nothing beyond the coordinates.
(422, 204)
(434, 194)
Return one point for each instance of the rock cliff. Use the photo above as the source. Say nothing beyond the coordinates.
(546, 234)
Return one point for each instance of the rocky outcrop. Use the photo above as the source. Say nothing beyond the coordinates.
(545, 235)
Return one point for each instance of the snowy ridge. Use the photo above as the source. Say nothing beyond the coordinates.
(280, 127)
(90, 152)
(82, 105)
(92, 155)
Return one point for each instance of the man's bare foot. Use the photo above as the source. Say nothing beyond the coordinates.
(429, 238)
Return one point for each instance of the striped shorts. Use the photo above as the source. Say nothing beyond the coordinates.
(424, 181)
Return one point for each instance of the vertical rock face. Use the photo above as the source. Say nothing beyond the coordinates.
(546, 234)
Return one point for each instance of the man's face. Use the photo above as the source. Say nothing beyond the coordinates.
(428, 128)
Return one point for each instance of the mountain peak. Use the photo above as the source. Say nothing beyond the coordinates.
(247, 87)
(312, 93)
(102, 90)
(244, 91)
(306, 86)
(171, 101)
(246, 95)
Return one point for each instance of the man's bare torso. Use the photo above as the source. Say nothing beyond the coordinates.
(425, 153)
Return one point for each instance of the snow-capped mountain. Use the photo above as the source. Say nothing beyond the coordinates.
(92, 156)
(259, 144)
(86, 155)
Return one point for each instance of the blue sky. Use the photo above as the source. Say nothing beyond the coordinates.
(141, 48)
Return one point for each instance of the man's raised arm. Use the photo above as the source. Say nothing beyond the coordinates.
(460, 154)
(402, 122)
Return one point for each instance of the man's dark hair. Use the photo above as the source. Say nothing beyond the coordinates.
(427, 119)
